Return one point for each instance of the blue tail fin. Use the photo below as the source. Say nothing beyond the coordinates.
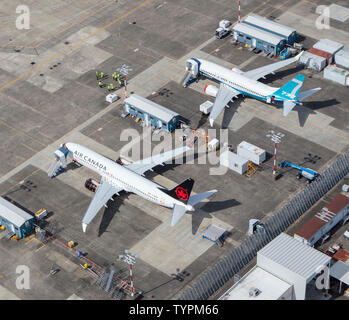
(291, 89)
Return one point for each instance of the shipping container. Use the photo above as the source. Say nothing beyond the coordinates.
(322, 222)
(336, 74)
(251, 152)
(342, 58)
(328, 46)
(324, 54)
(233, 162)
(313, 61)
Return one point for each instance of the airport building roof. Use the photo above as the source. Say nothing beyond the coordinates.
(323, 217)
(293, 255)
(269, 25)
(340, 271)
(258, 33)
(269, 286)
(12, 213)
(151, 107)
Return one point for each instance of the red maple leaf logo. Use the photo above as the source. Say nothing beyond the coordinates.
(182, 193)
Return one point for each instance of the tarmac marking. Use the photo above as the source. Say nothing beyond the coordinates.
(75, 44)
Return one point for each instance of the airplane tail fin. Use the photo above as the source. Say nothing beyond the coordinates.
(182, 191)
(291, 89)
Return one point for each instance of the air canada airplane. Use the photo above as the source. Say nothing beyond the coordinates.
(130, 177)
(235, 82)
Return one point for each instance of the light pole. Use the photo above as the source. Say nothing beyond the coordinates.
(130, 259)
(276, 138)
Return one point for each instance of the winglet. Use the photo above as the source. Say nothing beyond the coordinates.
(84, 226)
(211, 122)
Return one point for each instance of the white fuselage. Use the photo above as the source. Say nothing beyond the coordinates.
(236, 80)
(121, 177)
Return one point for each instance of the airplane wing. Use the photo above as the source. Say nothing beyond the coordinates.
(261, 72)
(224, 95)
(146, 164)
(104, 192)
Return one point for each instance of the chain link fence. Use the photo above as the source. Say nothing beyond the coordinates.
(232, 263)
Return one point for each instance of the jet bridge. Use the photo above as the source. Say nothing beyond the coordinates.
(60, 160)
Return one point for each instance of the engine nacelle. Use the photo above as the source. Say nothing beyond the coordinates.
(192, 66)
(236, 70)
(211, 90)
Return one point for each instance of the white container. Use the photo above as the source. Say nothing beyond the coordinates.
(112, 97)
(335, 74)
(328, 46)
(313, 61)
(224, 24)
(233, 162)
(206, 107)
(342, 58)
(251, 152)
(41, 213)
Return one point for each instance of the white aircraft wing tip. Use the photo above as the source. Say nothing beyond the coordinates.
(211, 122)
(84, 226)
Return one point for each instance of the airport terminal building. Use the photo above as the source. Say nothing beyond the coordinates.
(151, 113)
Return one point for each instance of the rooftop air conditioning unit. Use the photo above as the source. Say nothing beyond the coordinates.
(254, 292)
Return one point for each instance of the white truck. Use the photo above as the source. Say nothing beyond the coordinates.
(223, 29)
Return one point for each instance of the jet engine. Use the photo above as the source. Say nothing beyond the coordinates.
(211, 90)
(192, 66)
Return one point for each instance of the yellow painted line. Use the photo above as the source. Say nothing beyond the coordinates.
(74, 45)
(30, 240)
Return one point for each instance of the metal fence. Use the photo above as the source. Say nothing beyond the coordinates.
(232, 263)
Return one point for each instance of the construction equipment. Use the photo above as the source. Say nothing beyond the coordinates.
(251, 169)
(307, 173)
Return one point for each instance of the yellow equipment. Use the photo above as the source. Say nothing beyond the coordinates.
(71, 244)
(85, 265)
(251, 169)
(2, 228)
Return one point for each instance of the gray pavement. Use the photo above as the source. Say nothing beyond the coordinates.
(49, 95)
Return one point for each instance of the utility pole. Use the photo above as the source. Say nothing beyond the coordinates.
(276, 138)
(130, 259)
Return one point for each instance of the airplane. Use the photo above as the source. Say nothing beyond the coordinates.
(130, 177)
(234, 82)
